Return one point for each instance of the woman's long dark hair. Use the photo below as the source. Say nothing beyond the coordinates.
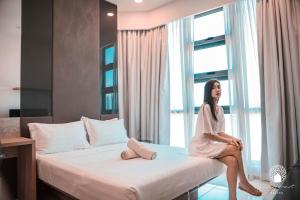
(208, 98)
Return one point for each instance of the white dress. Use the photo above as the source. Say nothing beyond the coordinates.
(202, 146)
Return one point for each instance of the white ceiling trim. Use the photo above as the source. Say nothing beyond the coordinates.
(167, 13)
(131, 6)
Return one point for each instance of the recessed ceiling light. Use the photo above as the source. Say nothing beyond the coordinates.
(138, 1)
(110, 14)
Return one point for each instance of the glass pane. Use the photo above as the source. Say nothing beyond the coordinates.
(255, 135)
(109, 78)
(228, 129)
(199, 93)
(253, 81)
(177, 130)
(175, 83)
(109, 101)
(209, 26)
(109, 55)
(224, 100)
(210, 59)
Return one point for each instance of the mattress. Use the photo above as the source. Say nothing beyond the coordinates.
(100, 173)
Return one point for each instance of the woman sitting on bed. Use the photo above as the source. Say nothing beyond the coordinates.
(211, 141)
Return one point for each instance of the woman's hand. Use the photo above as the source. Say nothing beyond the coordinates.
(234, 142)
(237, 143)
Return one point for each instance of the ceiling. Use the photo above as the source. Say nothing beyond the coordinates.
(131, 6)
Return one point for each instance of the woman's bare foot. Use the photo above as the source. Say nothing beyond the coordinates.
(247, 187)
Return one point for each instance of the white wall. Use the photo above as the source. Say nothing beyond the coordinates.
(10, 54)
(175, 10)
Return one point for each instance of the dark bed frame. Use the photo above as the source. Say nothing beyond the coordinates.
(49, 192)
(46, 191)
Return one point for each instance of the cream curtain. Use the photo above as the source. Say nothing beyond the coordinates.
(279, 59)
(245, 108)
(180, 50)
(143, 83)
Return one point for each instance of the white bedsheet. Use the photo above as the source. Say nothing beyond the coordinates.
(100, 173)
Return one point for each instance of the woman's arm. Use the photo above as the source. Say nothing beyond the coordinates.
(229, 140)
(218, 138)
(226, 135)
(236, 141)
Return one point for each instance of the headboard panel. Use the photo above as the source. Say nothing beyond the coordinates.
(109, 116)
(25, 120)
(49, 120)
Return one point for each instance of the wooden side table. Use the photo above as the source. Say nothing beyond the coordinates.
(24, 150)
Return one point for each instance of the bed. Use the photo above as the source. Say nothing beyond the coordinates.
(100, 173)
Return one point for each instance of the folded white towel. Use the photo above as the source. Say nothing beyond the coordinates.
(128, 154)
(141, 149)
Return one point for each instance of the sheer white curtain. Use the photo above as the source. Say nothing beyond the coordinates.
(279, 59)
(180, 52)
(245, 109)
(143, 84)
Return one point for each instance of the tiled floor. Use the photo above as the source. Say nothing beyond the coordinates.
(217, 189)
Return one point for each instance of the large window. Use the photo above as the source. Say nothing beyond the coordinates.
(109, 81)
(211, 62)
(210, 58)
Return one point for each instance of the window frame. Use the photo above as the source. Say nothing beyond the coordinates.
(113, 89)
(222, 75)
(205, 44)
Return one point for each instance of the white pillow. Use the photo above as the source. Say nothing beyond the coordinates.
(85, 119)
(52, 138)
(105, 132)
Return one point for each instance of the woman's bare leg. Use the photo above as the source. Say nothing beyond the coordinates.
(238, 155)
(244, 183)
(232, 150)
(231, 174)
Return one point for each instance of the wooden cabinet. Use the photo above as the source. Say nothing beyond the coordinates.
(24, 150)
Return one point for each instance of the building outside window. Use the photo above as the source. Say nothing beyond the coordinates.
(109, 85)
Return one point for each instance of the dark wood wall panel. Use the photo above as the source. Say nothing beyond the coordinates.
(36, 58)
(75, 60)
(25, 120)
(108, 25)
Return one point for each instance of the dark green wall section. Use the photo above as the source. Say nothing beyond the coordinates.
(108, 25)
(60, 58)
(36, 58)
